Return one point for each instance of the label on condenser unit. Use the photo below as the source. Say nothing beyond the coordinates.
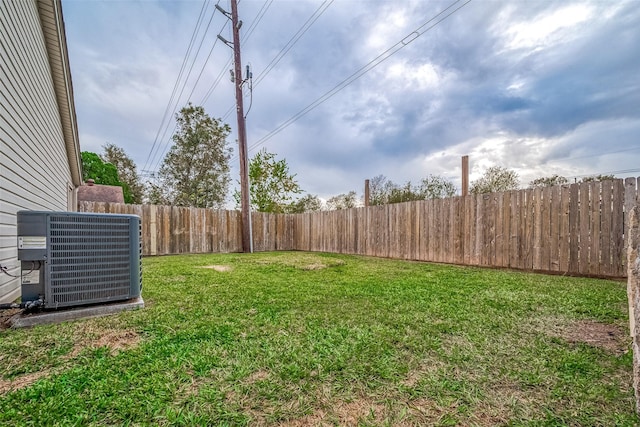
(32, 242)
(31, 277)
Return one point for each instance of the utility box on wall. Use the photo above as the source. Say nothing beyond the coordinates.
(70, 258)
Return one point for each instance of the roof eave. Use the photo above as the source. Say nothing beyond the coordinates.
(52, 23)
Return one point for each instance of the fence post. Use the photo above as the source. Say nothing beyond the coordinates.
(465, 176)
(366, 193)
(633, 285)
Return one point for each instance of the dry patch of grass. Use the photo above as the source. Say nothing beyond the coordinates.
(86, 335)
(351, 413)
(22, 381)
(305, 261)
(608, 337)
(218, 268)
(257, 376)
(6, 315)
(90, 335)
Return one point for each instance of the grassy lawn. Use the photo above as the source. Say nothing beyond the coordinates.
(301, 339)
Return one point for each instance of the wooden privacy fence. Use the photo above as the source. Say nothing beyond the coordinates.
(574, 229)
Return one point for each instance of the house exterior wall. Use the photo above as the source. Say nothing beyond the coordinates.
(35, 171)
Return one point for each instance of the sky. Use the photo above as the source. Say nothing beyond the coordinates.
(360, 88)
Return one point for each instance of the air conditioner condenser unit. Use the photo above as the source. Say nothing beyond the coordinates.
(72, 259)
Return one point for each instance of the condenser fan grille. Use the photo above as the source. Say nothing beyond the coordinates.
(90, 259)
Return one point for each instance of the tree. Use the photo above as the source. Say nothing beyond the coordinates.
(378, 190)
(406, 193)
(436, 187)
(343, 201)
(102, 173)
(307, 203)
(272, 187)
(127, 172)
(195, 171)
(495, 179)
(548, 181)
(598, 178)
(382, 191)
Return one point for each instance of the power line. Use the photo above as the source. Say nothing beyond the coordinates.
(293, 40)
(287, 47)
(608, 173)
(596, 155)
(206, 61)
(256, 20)
(175, 86)
(184, 85)
(411, 37)
(225, 67)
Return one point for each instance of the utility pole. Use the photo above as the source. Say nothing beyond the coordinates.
(247, 238)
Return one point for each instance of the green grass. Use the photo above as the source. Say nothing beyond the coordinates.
(320, 339)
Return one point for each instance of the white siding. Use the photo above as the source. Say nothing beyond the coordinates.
(34, 167)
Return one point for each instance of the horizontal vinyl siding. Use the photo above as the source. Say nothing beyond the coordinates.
(34, 170)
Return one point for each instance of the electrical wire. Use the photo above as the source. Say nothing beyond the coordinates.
(287, 47)
(410, 38)
(256, 21)
(623, 171)
(5, 270)
(165, 115)
(293, 40)
(252, 27)
(184, 85)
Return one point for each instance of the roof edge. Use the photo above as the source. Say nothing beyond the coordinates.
(56, 44)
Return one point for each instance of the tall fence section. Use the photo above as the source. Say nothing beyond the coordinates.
(574, 229)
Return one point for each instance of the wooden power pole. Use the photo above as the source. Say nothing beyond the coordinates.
(247, 240)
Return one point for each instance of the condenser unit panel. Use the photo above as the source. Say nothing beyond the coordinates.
(89, 258)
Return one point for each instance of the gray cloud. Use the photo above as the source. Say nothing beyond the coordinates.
(528, 85)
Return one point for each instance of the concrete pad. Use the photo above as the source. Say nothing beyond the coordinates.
(47, 317)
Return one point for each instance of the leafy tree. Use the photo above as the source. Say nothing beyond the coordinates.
(127, 172)
(195, 171)
(436, 187)
(379, 190)
(102, 173)
(598, 178)
(495, 179)
(382, 191)
(405, 193)
(307, 203)
(343, 201)
(548, 181)
(272, 187)
(156, 195)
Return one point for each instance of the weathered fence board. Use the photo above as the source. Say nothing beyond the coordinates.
(573, 229)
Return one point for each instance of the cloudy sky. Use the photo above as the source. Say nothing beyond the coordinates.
(540, 87)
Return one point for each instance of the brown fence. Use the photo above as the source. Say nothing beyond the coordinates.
(573, 229)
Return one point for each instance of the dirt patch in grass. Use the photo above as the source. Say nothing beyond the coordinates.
(6, 315)
(218, 268)
(260, 375)
(608, 337)
(85, 336)
(303, 261)
(342, 413)
(314, 266)
(425, 369)
(23, 381)
(89, 336)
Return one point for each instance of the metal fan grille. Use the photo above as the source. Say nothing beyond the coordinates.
(89, 259)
